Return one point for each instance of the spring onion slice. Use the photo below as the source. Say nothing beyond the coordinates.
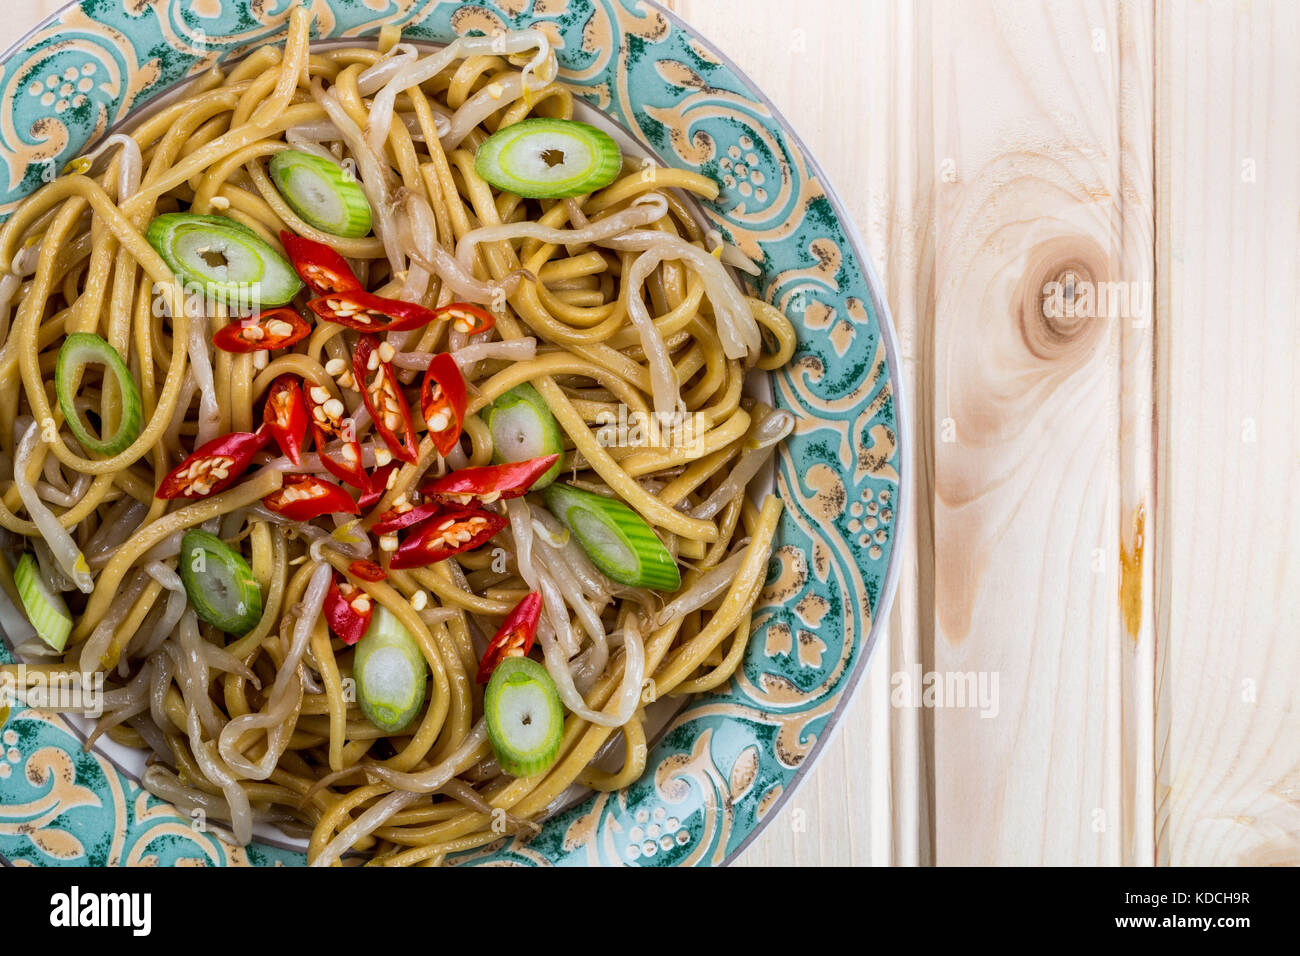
(523, 428)
(219, 583)
(79, 350)
(549, 159)
(321, 193)
(390, 673)
(525, 720)
(616, 539)
(47, 611)
(227, 260)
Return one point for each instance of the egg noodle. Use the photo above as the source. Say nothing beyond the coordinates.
(616, 306)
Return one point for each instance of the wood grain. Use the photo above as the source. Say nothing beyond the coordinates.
(994, 161)
(1228, 742)
(1135, 79)
(1027, 496)
(1104, 504)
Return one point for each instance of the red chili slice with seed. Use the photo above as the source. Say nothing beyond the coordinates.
(303, 497)
(327, 424)
(367, 312)
(451, 533)
(323, 269)
(466, 318)
(442, 402)
(488, 483)
(213, 466)
(285, 416)
(367, 571)
(272, 329)
(347, 610)
(382, 393)
(398, 518)
(515, 637)
(378, 485)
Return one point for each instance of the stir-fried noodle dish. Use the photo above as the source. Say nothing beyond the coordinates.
(379, 433)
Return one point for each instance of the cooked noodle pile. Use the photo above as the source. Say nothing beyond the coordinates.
(609, 304)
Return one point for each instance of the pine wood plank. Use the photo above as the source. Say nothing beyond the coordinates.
(1228, 744)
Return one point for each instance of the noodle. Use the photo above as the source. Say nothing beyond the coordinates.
(608, 304)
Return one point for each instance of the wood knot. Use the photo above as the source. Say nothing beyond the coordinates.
(1055, 304)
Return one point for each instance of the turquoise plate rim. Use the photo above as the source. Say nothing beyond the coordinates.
(891, 381)
(901, 424)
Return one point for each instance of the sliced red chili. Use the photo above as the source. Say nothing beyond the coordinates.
(323, 269)
(397, 518)
(442, 402)
(285, 416)
(489, 483)
(367, 571)
(327, 424)
(214, 466)
(367, 312)
(451, 533)
(467, 318)
(378, 485)
(515, 637)
(272, 329)
(382, 393)
(347, 611)
(303, 497)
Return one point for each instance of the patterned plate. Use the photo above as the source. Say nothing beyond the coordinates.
(727, 759)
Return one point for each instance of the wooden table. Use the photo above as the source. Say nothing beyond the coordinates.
(1087, 219)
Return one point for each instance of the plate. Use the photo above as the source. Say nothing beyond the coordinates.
(728, 759)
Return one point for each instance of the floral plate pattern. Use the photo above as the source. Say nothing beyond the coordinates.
(728, 758)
